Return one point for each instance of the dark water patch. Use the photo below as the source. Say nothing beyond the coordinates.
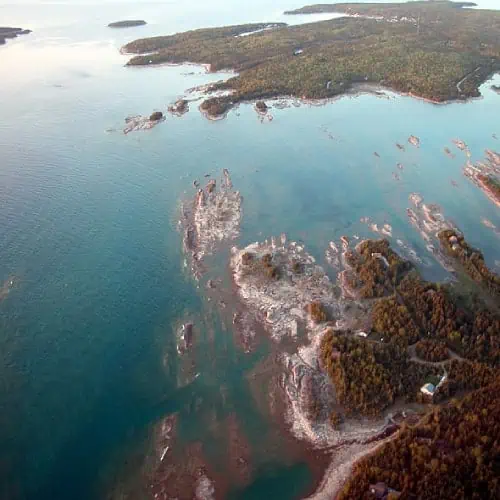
(276, 481)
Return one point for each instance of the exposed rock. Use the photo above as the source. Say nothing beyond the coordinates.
(281, 296)
(185, 336)
(429, 222)
(179, 108)
(211, 219)
(414, 140)
(261, 107)
(139, 122)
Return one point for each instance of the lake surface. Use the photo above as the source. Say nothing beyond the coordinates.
(88, 226)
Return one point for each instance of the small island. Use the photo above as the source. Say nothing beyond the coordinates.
(6, 32)
(127, 24)
(424, 49)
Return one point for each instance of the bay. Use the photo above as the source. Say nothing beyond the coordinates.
(88, 225)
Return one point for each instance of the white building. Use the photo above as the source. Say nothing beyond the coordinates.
(428, 389)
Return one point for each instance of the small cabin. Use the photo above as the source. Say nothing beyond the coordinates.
(379, 490)
(428, 389)
(361, 334)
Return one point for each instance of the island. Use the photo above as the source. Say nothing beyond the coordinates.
(179, 108)
(6, 32)
(127, 24)
(139, 122)
(426, 49)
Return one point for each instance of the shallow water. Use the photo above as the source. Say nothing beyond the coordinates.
(88, 231)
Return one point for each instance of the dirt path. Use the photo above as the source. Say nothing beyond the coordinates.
(413, 357)
(459, 84)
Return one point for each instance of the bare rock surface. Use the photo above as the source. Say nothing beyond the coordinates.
(210, 220)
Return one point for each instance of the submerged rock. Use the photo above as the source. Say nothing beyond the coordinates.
(414, 141)
(6, 287)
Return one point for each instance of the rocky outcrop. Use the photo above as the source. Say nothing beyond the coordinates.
(261, 107)
(210, 220)
(179, 108)
(486, 175)
(139, 122)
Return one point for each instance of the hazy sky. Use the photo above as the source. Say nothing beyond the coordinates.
(490, 4)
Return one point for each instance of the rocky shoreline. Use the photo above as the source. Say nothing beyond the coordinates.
(277, 290)
(486, 175)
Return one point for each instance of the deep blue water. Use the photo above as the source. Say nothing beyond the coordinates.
(88, 227)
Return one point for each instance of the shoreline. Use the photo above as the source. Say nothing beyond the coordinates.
(357, 90)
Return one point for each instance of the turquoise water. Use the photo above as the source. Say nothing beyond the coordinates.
(88, 230)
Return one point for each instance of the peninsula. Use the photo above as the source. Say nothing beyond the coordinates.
(426, 49)
(127, 24)
(6, 32)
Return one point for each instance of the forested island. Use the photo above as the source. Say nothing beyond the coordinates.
(127, 24)
(6, 32)
(427, 49)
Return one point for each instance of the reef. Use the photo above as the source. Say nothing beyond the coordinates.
(486, 175)
(139, 122)
(210, 220)
(282, 282)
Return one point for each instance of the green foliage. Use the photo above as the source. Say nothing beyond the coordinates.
(431, 350)
(377, 267)
(471, 259)
(452, 453)
(317, 312)
(428, 60)
(368, 376)
(393, 320)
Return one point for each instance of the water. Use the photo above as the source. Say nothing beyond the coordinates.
(88, 230)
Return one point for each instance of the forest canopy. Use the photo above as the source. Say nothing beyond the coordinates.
(429, 49)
